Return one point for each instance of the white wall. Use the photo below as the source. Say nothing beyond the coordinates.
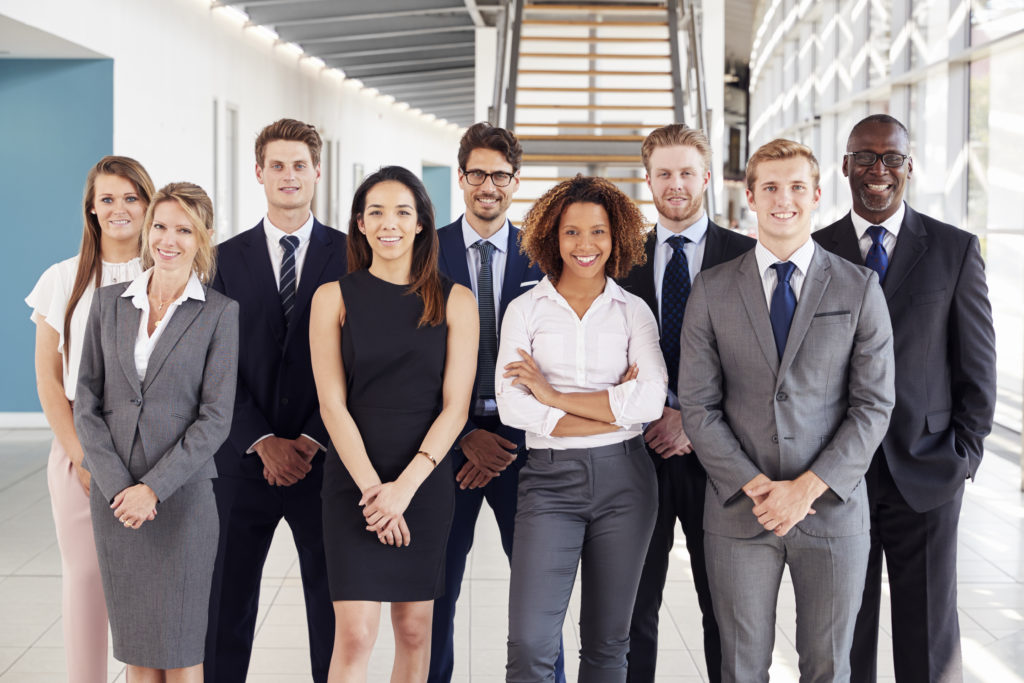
(174, 58)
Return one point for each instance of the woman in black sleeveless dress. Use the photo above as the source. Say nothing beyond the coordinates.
(394, 350)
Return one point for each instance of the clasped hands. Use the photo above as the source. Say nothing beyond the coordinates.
(781, 505)
(285, 461)
(135, 505)
(384, 510)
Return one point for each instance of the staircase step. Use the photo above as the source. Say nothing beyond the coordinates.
(585, 7)
(590, 55)
(566, 159)
(580, 124)
(528, 200)
(621, 90)
(582, 138)
(596, 107)
(592, 72)
(614, 179)
(592, 39)
(590, 22)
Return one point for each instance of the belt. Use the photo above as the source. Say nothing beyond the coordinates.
(621, 448)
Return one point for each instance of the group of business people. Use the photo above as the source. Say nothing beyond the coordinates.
(810, 402)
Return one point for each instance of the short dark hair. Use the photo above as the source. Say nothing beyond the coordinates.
(289, 129)
(484, 135)
(883, 119)
(539, 239)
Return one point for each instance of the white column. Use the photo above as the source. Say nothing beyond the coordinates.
(713, 42)
(486, 62)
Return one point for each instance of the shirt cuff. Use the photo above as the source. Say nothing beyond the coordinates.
(318, 444)
(252, 448)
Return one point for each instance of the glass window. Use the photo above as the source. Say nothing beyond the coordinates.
(992, 19)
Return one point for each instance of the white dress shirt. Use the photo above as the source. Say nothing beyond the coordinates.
(584, 355)
(274, 235)
(801, 258)
(892, 229)
(144, 343)
(694, 250)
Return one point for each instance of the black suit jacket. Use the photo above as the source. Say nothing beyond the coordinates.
(720, 245)
(276, 393)
(520, 276)
(944, 344)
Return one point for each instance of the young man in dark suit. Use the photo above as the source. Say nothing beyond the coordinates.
(677, 159)
(271, 466)
(481, 251)
(933, 278)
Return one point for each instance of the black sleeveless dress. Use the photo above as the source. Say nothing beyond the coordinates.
(395, 375)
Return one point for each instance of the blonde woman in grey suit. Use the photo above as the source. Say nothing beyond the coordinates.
(155, 396)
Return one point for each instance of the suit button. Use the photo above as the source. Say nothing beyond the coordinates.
(781, 396)
(284, 400)
(775, 438)
(136, 402)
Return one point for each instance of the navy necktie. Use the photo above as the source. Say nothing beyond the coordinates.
(287, 287)
(487, 356)
(877, 260)
(675, 289)
(783, 305)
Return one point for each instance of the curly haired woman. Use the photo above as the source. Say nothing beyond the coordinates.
(580, 371)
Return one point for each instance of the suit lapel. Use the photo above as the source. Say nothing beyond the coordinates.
(642, 277)
(713, 247)
(752, 293)
(911, 244)
(453, 253)
(844, 242)
(261, 274)
(516, 265)
(318, 254)
(127, 320)
(176, 327)
(811, 292)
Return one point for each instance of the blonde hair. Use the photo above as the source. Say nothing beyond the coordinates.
(196, 204)
(672, 135)
(779, 150)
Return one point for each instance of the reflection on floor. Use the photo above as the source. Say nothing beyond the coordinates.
(991, 592)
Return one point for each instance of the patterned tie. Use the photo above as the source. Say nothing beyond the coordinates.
(877, 260)
(488, 353)
(783, 305)
(675, 289)
(287, 289)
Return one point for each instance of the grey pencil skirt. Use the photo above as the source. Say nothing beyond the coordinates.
(156, 579)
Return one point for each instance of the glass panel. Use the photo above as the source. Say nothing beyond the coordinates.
(991, 19)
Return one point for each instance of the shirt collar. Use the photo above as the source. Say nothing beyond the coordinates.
(471, 236)
(892, 223)
(274, 233)
(137, 290)
(801, 258)
(545, 289)
(695, 233)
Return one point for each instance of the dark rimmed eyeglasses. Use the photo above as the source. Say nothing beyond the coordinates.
(890, 159)
(477, 177)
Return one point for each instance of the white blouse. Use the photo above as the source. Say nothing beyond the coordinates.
(144, 343)
(49, 301)
(584, 355)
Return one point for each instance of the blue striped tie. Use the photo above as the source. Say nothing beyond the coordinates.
(488, 353)
(287, 289)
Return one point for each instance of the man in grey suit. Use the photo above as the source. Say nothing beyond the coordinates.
(786, 394)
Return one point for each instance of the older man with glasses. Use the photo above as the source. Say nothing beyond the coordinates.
(933, 278)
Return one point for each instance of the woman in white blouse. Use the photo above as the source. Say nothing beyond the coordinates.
(580, 371)
(155, 396)
(117, 193)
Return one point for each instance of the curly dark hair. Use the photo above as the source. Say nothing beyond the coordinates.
(628, 227)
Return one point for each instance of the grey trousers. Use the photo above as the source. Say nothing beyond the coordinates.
(828, 581)
(594, 507)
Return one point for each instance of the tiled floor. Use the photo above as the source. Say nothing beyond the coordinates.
(991, 591)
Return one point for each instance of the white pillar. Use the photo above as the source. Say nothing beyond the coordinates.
(486, 62)
(713, 42)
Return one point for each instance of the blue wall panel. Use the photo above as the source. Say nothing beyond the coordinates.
(56, 121)
(438, 181)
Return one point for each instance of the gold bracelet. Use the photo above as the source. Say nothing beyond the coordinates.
(428, 457)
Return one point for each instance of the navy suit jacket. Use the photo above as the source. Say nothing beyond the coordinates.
(520, 276)
(720, 245)
(276, 393)
(944, 343)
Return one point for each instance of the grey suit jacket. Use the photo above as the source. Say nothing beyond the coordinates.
(824, 407)
(182, 408)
